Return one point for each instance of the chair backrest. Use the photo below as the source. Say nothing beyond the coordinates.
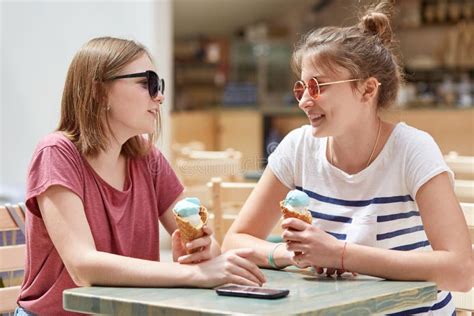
(198, 167)
(462, 166)
(209, 154)
(227, 198)
(464, 190)
(12, 255)
(182, 149)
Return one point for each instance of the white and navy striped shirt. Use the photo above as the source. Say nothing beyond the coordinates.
(374, 207)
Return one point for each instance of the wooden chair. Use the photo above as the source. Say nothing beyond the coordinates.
(12, 255)
(462, 166)
(229, 153)
(227, 200)
(182, 149)
(198, 167)
(464, 302)
(464, 190)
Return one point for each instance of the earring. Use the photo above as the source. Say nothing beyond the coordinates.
(108, 107)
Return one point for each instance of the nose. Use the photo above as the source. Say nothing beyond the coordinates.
(159, 98)
(305, 102)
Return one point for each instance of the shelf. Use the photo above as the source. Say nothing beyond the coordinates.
(426, 27)
(198, 64)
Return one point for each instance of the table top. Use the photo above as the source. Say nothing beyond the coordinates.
(309, 294)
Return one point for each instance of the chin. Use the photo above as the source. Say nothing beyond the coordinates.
(150, 129)
(317, 132)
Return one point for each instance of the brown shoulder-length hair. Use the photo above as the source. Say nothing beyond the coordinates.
(365, 50)
(84, 102)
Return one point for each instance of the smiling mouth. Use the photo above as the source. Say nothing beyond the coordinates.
(314, 118)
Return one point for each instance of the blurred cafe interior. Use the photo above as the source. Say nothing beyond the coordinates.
(233, 81)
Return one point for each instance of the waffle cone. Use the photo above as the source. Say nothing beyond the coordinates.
(306, 217)
(188, 231)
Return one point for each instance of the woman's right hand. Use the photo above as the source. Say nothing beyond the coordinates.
(233, 266)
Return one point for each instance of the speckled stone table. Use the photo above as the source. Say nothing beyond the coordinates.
(309, 295)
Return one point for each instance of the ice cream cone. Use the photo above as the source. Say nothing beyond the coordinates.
(306, 216)
(188, 231)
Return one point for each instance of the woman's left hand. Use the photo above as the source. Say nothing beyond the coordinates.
(201, 244)
(314, 246)
(330, 271)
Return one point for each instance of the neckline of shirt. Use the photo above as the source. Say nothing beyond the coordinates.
(363, 172)
(127, 184)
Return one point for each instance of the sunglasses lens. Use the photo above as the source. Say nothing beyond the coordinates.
(313, 88)
(298, 90)
(162, 86)
(153, 84)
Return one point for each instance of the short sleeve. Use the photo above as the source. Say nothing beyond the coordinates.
(423, 162)
(282, 161)
(52, 165)
(167, 185)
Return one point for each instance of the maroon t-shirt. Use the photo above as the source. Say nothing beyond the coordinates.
(122, 222)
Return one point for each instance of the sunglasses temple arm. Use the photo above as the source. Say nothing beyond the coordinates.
(334, 82)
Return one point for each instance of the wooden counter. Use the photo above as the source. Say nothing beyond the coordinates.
(243, 130)
(453, 129)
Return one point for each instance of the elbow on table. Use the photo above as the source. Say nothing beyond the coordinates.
(79, 279)
(80, 282)
(462, 276)
(80, 271)
(469, 273)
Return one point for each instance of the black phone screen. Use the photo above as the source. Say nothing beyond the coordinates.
(252, 291)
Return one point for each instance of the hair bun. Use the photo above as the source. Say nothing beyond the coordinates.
(378, 24)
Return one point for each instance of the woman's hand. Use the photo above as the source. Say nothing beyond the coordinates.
(202, 247)
(233, 266)
(330, 271)
(314, 246)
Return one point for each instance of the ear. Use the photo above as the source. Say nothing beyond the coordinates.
(369, 89)
(99, 92)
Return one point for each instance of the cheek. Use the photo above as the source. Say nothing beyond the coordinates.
(129, 104)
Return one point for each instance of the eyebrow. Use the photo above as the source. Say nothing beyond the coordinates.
(318, 77)
(321, 77)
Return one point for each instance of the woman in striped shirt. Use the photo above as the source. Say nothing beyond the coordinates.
(381, 195)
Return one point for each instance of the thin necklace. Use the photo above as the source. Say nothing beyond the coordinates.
(373, 149)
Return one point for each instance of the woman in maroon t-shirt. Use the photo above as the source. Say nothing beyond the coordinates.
(97, 189)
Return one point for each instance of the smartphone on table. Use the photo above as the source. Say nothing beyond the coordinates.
(252, 291)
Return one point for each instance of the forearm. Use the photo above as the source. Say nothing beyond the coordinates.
(261, 247)
(215, 248)
(447, 269)
(101, 268)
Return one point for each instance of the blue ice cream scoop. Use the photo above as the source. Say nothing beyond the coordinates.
(187, 207)
(193, 200)
(296, 199)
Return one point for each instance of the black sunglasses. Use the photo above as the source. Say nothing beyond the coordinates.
(154, 82)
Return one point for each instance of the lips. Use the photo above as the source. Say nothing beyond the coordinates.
(153, 112)
(316, 118)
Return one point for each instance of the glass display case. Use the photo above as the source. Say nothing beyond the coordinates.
(260, 74)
